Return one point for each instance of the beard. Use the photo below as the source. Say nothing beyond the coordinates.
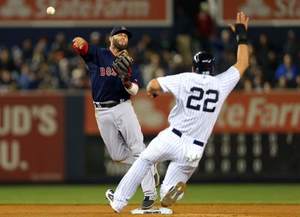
(118, 45)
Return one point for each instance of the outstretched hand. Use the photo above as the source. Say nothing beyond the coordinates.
(241, 18)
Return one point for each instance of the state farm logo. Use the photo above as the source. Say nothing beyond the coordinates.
(75, 8)
(268, 114)
(256, 7)
(261, 113)
(15, 8)
(278, 8)
(19, 120)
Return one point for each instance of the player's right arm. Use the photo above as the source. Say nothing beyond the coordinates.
(165, 84)
(80, 46)
(240, 29)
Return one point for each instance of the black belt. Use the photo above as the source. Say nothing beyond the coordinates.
(178, 133)
(108, 104)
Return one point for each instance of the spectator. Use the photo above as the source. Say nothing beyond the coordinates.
(223, 48)
(152, 69)
(28, 79)
(50, 64)
(291, 46)
(79, 78)
(286, 72)
(205, 27)
(7, 82)
(27, 49)
(6, 61)
(59, 43)
(265, 56)
(96, 39)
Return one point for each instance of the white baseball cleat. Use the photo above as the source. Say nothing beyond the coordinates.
(171, 197)
(109, 194)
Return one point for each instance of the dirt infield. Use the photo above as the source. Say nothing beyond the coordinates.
(183, 210)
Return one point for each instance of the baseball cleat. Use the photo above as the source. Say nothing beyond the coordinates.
(171, 197)
(109, 194)
(148, 202)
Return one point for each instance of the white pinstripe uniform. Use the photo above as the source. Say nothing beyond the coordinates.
(199, 99)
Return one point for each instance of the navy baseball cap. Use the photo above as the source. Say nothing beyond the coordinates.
(121, 29)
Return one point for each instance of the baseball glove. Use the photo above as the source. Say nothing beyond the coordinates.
(122, 66)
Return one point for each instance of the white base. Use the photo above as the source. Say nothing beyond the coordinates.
(161, 210)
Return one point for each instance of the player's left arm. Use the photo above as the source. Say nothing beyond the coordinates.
(122, 65)
(131, 87)
(240, 29)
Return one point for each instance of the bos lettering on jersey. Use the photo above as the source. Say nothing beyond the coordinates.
(107, 71)
(105, 83)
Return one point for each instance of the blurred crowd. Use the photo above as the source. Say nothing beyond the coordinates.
(51, 64)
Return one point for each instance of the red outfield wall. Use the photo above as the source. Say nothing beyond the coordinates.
(43, 136)
(32, 137)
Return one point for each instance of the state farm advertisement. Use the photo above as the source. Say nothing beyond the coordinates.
(272, 112)
(31, 137)
(241, 112)
(262, 12)
(75, 13)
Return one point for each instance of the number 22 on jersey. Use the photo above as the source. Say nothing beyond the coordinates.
(210, 96)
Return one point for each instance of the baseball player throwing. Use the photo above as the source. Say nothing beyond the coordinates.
(199, 97)
(113, 82)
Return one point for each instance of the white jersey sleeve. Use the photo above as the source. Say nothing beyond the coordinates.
(228, 80)
(170, 83)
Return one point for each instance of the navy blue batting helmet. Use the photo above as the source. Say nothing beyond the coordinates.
(203, 63)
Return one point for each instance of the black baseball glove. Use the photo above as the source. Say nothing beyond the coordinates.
(122, 66)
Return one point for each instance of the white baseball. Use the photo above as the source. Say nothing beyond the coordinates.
(50, 10)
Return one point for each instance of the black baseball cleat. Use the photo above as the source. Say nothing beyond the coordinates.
(148, 202)
(156, 176)
(171, 197)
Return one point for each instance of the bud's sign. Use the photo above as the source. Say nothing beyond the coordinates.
(31, 137)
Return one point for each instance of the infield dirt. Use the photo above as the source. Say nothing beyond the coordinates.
(182, 210)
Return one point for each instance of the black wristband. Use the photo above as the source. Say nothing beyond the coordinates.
(241, 34)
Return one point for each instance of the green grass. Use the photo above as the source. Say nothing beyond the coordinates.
(201, 193)
(244, 193)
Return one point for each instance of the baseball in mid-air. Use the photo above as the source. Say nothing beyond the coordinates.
(50, 10)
